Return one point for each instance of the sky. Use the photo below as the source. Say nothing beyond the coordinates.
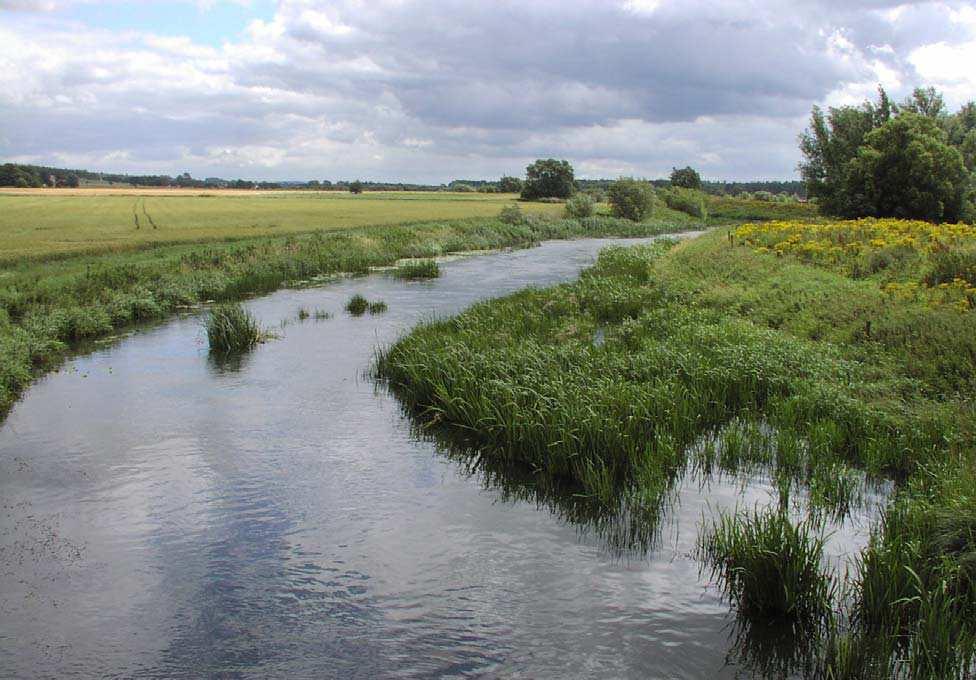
(408, 90)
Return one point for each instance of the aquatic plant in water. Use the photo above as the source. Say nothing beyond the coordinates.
(769, 566)
(357, 305)
(418, 269)
(231, 328)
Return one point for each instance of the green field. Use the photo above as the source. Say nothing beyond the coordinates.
(45, 223)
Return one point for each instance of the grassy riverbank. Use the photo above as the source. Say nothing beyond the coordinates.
(715, 353)
(47, 307)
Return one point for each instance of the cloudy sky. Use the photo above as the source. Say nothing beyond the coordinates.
(431, 91)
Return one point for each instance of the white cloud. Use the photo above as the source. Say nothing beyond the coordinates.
(429, 91)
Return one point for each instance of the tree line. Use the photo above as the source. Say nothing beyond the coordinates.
(880, 159)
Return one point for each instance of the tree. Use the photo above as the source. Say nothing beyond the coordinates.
(925, 102)
(829, 145)
(509, 185)
(548, 178)
(631, 199)
(72, 180)
(907, 169)
(912, 160)
(686, 177)
(356, 187)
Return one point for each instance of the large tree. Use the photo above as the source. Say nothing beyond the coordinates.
(548, 178)
(906, 168)
(888, 160)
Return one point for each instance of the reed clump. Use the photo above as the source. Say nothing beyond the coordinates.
(770, 567)
(357, 305)
(418, 269)
(231, 328)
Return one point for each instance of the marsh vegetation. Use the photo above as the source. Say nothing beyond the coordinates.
(231, 328)
(727, 359)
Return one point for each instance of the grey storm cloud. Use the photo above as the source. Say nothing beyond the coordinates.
(431, 90)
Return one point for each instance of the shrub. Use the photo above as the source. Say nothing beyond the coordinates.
(511, 214)
(687, 201)
(598, 195)
(687, 178)
(631, 199)
(231, 328)
(580, 205)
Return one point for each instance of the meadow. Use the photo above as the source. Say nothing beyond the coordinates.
(725, 354)
(44, 223)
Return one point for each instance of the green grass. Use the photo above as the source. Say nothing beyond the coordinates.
(770, 566)
(718, 359)
(728, 209)
(231, 328)
(44, 224)
(418, 269)
(357, 305)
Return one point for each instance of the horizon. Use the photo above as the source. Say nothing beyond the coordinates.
(430, 92)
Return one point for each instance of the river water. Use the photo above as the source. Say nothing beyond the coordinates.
(164, 515)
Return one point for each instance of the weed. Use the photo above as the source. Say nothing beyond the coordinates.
(231, 328)
(357, 305)
(418, 269)
(769, 566)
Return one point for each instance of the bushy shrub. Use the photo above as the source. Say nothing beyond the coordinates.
(687, 178)
(580, 205)
(631, 199)
(598, 195)
(686, 200)
(511, 214)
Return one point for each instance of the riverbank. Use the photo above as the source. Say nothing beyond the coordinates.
(48, 307)
(718, 353)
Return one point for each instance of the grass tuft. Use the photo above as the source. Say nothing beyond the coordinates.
(770, 567)
(357, 305)
(418, 269)
(231, 328)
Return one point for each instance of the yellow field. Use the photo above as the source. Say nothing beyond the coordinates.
(41, 222)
